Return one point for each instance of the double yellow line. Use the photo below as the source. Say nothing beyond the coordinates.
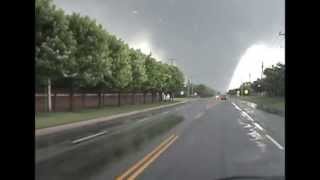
(140, 166)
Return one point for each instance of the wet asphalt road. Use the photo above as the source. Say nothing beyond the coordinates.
(215, 140)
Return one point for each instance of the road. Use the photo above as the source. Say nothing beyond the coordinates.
(216, 139)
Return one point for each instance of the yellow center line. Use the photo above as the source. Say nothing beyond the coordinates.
(148, 156)
(153, 158)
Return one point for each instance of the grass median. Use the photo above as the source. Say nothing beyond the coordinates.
(274, 105)
(44, 120)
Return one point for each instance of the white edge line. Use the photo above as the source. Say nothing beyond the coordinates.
(88, 137)
(275, 142)
(236, 106)
(246, 114)
(258, 126)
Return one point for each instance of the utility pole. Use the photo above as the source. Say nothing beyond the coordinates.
(191, 87)
(261, 70)
(261, 79)
(249, 77)
(281, 34)
(171, 61)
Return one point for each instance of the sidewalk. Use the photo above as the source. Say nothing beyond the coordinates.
(59, 128)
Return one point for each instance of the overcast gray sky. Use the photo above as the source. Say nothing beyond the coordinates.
(206, 38)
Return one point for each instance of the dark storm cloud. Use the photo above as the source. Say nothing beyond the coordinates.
(206, 37)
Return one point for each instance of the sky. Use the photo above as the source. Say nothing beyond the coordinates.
(215, 42)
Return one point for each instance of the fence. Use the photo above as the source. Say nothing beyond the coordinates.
(68, 102)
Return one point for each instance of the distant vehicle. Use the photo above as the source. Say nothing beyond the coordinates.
(223, 97)
(217, 97)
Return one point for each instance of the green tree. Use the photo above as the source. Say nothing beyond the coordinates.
(175, 81)
(120, 65)
(54, 43)
(91, 56)
(274, 80)
(151, 72)
(139, 76)
(204, 91)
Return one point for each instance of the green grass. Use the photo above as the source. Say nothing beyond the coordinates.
(46, 119)
(270, 104)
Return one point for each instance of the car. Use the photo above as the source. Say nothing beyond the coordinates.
(223, 97)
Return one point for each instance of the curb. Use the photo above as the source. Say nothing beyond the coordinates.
(59, 128)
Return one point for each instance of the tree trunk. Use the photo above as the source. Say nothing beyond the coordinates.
(99, 100)
(49, 95)
(160, 96)
(119, 99)
(152, 96)
(102, 98)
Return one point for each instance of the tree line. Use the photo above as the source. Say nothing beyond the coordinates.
(272, 84)
(74, 51)
(204, 91)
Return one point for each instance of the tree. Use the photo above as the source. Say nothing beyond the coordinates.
(204, 91)
(272, 83)
(74, 51)
(137, 62)
(139, 77)
(152, 73)
(91, 56)
(54, 44)
(256, 86)
(175, 80)
(120, 65)
(91, 64)
(274, 80)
